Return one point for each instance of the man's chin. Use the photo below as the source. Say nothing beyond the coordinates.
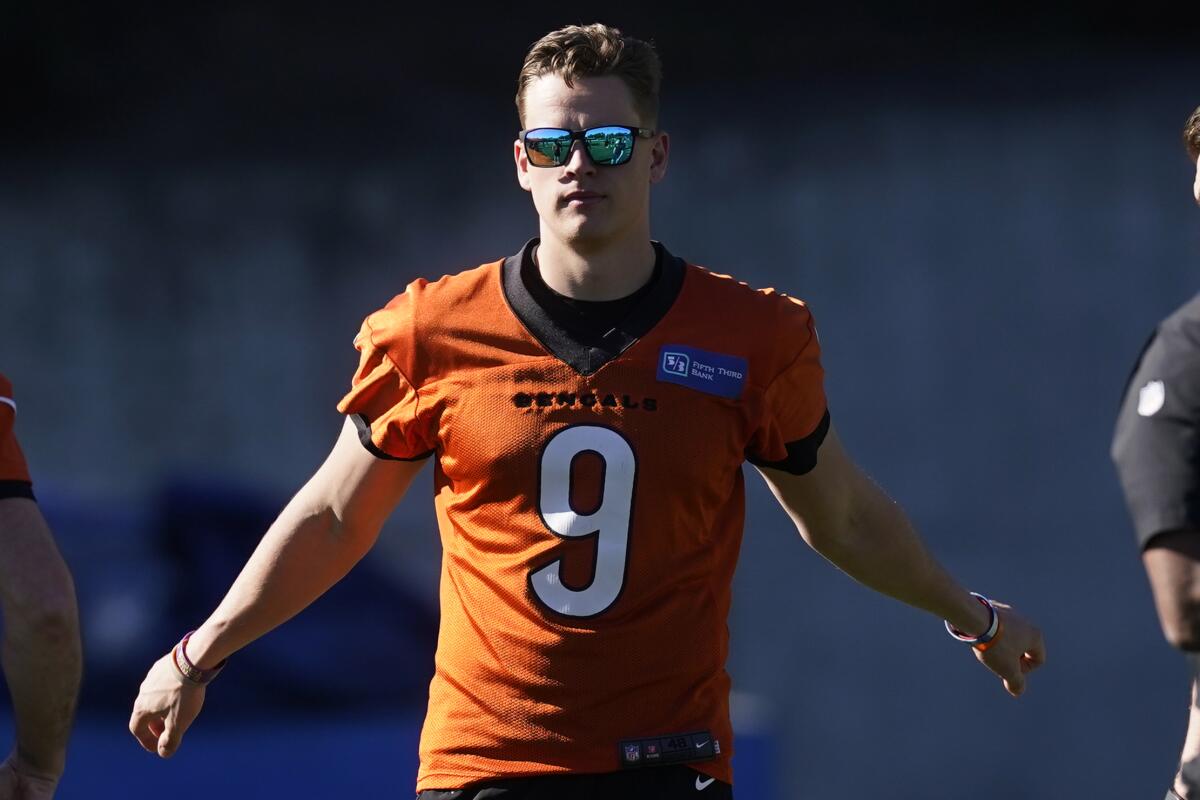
(586, 234)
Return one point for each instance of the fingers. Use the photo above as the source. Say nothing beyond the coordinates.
(157, 733)
(168, 740)
(167, 743)
(146, 728)
(1017, 651)
(156, 736)
(1035, 656)
(163, 710)
(1011, 673)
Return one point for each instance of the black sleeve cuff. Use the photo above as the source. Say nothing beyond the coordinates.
(16, 489)
(364, 436)
(801, 454)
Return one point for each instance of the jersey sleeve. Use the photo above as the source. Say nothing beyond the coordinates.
(1156, 444)
(14, 475)
(795, 417)
(383, 402)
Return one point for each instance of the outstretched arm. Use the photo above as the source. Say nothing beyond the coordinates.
(323, 531)
(41, 648)
(848, 519)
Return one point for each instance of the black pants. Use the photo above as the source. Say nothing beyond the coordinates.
(651, 783)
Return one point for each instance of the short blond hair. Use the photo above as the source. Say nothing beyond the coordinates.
(593, 51)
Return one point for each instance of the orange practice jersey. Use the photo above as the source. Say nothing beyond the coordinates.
(590, 502)
(14, 475)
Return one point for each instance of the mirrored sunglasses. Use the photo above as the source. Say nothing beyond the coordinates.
(606, 145)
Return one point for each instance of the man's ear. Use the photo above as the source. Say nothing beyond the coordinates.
(659, 154)
(522, 163)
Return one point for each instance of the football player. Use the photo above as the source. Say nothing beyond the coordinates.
(1154, 449)
(41, 648)
(587, 404)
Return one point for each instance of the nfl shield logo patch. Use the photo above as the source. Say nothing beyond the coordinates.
(633, 752)
(1151, 398)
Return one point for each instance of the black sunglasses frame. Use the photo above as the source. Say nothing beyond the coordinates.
(581, 136)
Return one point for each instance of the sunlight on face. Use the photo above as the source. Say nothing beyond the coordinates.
(580, 202)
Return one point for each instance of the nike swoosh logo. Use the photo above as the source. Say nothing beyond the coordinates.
(702, 785)
(701, 744)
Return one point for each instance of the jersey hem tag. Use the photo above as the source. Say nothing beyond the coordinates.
(675, 748)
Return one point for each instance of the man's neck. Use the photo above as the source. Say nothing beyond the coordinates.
(609, 273)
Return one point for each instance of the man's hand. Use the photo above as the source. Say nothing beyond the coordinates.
(324, 530)
(164, 709)
(848, 519)
(19, 780)
(1017, 651)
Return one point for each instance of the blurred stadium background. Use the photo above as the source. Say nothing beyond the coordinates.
(987, 211)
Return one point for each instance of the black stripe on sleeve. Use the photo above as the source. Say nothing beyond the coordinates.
(364, 436)
(16, 489)
(801, 454)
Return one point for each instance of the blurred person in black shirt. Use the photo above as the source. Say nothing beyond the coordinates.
(1156, 449)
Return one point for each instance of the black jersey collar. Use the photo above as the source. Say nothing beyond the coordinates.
(558, 327)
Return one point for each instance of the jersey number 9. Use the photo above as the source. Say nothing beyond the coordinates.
(609, 521)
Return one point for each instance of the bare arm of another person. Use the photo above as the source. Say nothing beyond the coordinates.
(847, 518)
(1172, 562)
(323, 531)
(41, 648)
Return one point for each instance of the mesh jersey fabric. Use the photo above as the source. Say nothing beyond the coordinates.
(590, 524)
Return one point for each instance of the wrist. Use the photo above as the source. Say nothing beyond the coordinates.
(972, 616)
(202, 649)
(186, 668)
(981, 641)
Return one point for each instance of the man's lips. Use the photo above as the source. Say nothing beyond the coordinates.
(582, 198)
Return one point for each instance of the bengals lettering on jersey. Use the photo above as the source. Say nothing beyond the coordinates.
(588, 487)
(14, 475)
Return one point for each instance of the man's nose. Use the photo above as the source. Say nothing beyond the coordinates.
(578, 160)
